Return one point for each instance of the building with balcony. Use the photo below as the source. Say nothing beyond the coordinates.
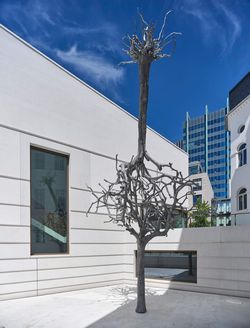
(221, 212)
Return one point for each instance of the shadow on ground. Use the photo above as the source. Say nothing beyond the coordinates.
(177, 309)
(124, 295)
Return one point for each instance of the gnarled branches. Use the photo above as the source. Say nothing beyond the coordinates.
(149, 47)
(145, 202)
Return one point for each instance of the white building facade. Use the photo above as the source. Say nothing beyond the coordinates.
(58, 136)
(202, 189)
(238, 121)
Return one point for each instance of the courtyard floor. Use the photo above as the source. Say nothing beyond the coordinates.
(113, 307)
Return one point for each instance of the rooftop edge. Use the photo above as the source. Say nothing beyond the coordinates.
(84, 83)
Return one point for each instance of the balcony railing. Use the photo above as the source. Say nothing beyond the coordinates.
(240, 218)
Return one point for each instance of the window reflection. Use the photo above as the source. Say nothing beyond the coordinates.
(49, 209)
(242, 154)
(171, 265)
(242, 199)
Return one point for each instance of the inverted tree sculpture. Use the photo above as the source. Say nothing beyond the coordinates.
(144, 201)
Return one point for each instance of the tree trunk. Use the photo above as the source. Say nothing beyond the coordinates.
(144, 68)
(141, 304)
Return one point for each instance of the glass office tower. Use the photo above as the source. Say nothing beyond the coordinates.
(206, 140)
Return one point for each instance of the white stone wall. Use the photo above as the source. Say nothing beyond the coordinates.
(44, 106)
(206, 192)
(223, 259)
(240, 176)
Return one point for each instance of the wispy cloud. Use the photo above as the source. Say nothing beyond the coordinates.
(233, 21)
(96, 60)
(104, 37)
(106, 28)
(32, 14)
(93, 50)
(218, 24)
(94, 66)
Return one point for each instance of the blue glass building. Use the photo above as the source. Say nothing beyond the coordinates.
(206, 140)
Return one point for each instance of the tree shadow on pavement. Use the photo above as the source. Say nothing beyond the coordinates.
(176, 309)
(124, 295)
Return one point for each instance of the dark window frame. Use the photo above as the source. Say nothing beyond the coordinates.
(67, 156)
(196, 198)
(242, 154)
(242, 199)
(192, 252)
(241, 128)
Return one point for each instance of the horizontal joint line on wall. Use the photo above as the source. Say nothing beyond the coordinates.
(80, 148)
(228, 257)
(225, 269)
(224, 279)
(19, 205)
(85, 189)
(15, 225)
(62, 278)
(17, 282)
(197, 243)
(84, 284)
(13, 178)
(24, 291)
(94, 229)
(101, 255)
(58, 142)
(14, 243)
(227, 242)
(82, 266)
(37, 257)
(84, 276)
(105, 243)
(62, 268)
(15, 271)
(85, 212)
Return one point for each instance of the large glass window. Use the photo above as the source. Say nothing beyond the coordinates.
(242, 154)
(49, 202)
(171, 265)
(242, 199)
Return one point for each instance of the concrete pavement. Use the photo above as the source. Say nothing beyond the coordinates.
(113, 306)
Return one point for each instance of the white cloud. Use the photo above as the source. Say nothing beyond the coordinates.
(95, 67)
(217, 22)
(104, 37)
(42, 24)
(30, 15)
(105, 27)
(234, 21)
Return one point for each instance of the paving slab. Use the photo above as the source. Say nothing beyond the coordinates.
(113, 307)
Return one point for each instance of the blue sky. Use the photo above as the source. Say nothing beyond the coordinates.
(86, 37)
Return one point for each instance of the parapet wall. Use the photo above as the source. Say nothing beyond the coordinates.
(223, 258)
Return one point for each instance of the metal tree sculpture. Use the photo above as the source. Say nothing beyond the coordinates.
(144, 201)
